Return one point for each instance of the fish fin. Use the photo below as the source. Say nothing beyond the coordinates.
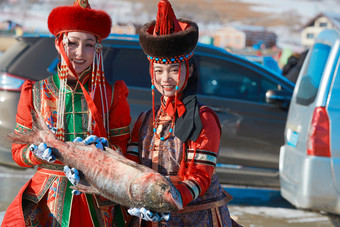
(85, 189)
(113, 153)
(31, 136)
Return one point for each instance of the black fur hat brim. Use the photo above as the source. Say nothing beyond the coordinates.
(168, 46)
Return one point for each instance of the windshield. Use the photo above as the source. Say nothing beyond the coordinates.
(312, 74)
(9, 56)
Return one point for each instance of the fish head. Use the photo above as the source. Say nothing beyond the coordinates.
(158, 193)
(172, 196)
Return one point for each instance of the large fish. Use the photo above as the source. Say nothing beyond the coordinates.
(107, 172)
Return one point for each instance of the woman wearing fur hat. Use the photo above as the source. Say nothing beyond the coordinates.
(75, 102)
(180, 138)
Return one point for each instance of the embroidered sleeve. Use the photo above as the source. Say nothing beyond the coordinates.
(20, 152)
(198, 180)
(120, 118)
(132, 149)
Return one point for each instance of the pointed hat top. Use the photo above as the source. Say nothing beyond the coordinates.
(167, 39)
(166, 22)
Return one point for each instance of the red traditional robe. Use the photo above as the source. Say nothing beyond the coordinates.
(46, 199)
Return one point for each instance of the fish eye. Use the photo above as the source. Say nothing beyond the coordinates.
(163, 189)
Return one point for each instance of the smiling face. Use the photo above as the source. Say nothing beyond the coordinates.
(166, 76)
(80, 50)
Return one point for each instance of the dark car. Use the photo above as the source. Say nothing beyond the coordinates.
(251, 101)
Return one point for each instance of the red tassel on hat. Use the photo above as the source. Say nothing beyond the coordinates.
(166, 22)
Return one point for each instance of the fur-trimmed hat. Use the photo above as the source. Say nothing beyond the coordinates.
(79, 17)
(168, 40)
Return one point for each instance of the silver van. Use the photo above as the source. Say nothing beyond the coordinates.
(310, 158)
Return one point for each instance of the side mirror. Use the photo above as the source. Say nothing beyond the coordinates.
(278, 97)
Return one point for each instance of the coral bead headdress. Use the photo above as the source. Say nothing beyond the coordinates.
(80, 17)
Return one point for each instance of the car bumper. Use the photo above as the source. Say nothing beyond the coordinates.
(306, 181)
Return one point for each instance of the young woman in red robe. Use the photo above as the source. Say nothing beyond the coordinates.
(180, 138)
(75, 102)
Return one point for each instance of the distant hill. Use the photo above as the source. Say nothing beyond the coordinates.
(218, 11)
(284, 17)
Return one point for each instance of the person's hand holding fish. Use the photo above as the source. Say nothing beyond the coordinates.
(73, 176)
(99, 142)
(43, 152)
(148, 215)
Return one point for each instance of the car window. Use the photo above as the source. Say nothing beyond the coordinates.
(25, 63)
(130, 65)
(231, 80)
(9, 56)
(311, 78)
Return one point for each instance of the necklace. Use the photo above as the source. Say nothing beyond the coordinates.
(156, 123)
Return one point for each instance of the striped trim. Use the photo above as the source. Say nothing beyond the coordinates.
(119, 131)
(203, 157)
(20, 128)
(26, 156)
(132, 150)
(193, 187)
(52, 166)
(37, 196)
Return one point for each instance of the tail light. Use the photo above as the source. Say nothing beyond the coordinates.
(10, 82)
(318, 134)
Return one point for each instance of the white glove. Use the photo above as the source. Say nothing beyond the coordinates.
(43, 152)
(148, 215)
(73, 176)
(100, 142)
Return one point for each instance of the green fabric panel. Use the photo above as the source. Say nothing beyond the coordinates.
(73, 111)
(56, 80)
(67, 205)
(119, 216)
(90, 202)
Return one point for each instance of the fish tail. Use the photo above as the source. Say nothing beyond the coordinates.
(32, 136)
